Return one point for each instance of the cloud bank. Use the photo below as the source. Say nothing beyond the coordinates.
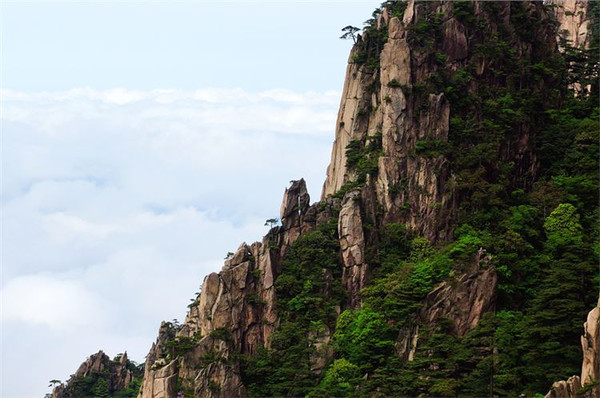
(117, 203)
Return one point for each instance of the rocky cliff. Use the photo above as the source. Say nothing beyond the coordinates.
(441, 124)
(389, 164)
(99, 375)
(404, 102)
(378, 104)
(235, 313)
(574, 21)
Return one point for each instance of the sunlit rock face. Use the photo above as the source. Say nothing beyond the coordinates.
(116, 372)
(385, 108)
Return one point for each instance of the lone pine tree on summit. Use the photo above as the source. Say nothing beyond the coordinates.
(350, 33)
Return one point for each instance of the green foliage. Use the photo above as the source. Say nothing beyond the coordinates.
(464, 12)
(101, 383)
(300, 287)
(431, 148)
(468, 241)
(306, 300)
(221, 334)
(180, 345)
(362, 156)
(131, 391)
(394, 83)
(524, 159)
(368, 50)
(393, 247)
(349, 33)
(395, 8)
(364, 337)
(562, 227)
(341, 380)
(100, 388)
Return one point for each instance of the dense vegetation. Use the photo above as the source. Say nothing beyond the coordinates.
(537, 217)
(308, 292)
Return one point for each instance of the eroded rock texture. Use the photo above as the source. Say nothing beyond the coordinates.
(462, 301)
(234, 314)
(352, 245)
(386, 108)
(388, 102)
(573, 19)
(117, 375)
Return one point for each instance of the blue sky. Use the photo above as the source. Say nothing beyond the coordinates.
(142, 141)
(177, 45)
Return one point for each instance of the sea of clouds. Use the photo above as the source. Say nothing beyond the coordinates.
(117, 203)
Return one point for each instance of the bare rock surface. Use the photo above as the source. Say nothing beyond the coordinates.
(352, 246)
(573, 21)
(463, 302)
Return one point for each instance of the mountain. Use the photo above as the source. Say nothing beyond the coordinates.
(454, 249)
(99, 376)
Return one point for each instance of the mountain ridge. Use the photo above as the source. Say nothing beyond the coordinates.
(435, 235)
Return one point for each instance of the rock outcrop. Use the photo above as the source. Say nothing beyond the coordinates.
(377, 103)
(390, 104)
(352, 245)
(463, 302)
(573, 21)
(588, 384)
(117, 375)
(387, 117)
(388, 165)
(590, 345)
(159, 380)
(235, 313)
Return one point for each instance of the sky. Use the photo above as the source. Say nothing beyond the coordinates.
(141, 142)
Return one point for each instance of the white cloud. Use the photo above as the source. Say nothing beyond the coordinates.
(43, 299)
(117, 203)
(63, 228)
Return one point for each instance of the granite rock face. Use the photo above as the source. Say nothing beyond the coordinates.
(383, 107)
(462, 301)
(574, 21)
(352, 245)
(590, 345)
(118, 375)
(387, 103)
(235, 313)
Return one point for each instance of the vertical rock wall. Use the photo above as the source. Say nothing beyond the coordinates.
(419, 190)
(236, 312)
(378, 102)
(573, 21)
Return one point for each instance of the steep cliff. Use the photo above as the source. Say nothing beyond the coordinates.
(235, 313)
(431, 54)
(574, 21)
(400, 129)
(452, 250)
